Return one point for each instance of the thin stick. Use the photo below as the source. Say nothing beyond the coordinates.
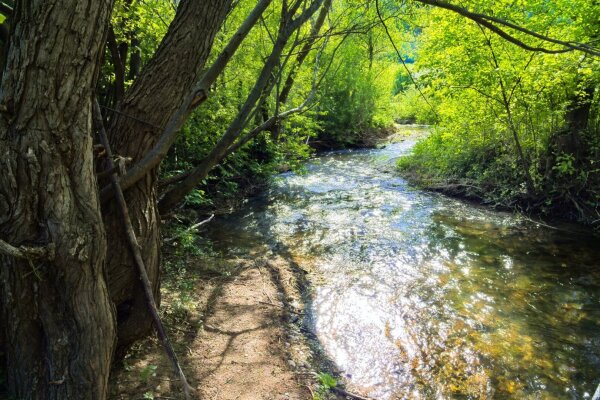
(191, 228)
(131, 117)
(137, 255)
(410, 75)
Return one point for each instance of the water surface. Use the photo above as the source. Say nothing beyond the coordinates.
(418, 296)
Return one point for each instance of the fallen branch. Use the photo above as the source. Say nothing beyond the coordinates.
(526, 218)
(137, 255)
(27, 253)
(191, 228)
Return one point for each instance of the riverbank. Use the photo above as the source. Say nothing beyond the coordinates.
(567, 192)
(238, 327)
(231, 324)
(540, 207)
(371, 139)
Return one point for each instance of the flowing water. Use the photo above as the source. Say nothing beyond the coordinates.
(420, 296)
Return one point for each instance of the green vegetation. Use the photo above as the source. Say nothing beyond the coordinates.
(345, 85)
(513, 127)
(202, 102)
(326, 383)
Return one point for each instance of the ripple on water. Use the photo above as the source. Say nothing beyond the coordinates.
(427, 297)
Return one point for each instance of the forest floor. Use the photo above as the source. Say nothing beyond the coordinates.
(237, 335)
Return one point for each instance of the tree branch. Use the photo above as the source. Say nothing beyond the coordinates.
(412, 78)
(5, 9)
(28, 253)
(288, 27)
(196, 97)
(488, 21)
(118, 64)
(191, 228)
(289, 82)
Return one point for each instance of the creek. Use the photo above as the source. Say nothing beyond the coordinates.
(420, 296)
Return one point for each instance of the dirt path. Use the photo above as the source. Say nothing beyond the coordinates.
(241, 351)
(234, 344)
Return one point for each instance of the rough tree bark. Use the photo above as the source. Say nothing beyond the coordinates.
(197, 95)
(155, 95)
(56, 313)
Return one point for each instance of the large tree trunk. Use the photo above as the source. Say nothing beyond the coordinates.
(153, 98)
(56, 313)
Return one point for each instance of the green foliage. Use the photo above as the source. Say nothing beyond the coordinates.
(356, 98)
(197, 198)
(565, 165)
(411, 106)
(488, 97)
(138, 26)
(492, 98)
(147, 372)
(326, 383)
(351, 80)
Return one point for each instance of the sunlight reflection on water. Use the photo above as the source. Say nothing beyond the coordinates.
(426, 297)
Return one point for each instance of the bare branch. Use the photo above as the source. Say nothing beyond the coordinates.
(191, 228)
(5, 9)
(412, 78)
(28, 253)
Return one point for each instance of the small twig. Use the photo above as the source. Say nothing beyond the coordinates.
(539, 223)
(264, 286)
(312, 394)
(170, 326)
(271, 304)
(191, 228)
(131, 117)
(410, 74)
